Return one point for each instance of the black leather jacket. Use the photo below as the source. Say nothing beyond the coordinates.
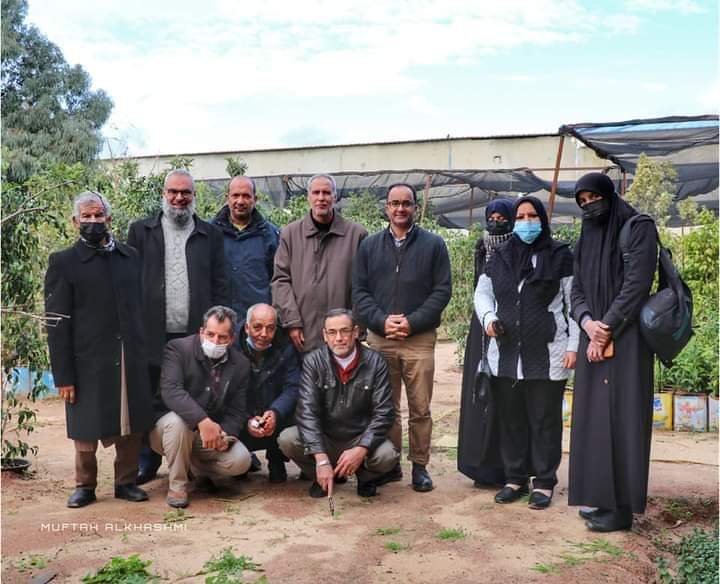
(360, 408)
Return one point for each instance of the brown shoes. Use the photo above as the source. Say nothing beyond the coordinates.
(177, 499)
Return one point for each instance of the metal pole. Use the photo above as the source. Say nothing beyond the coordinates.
(623, 184)
(426, 197)
(470, 213)
(553, 189)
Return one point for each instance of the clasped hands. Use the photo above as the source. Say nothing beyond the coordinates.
(600, 335)
(262, 426)
(397, 327)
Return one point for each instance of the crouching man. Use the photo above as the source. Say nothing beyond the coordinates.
(344, 412)
(274, 381)
(202, 406)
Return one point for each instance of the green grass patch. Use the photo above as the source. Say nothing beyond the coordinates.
(176, 516)
(544, 568)
(130, 570)
(395, 547)
(451, 534)
(387, 530)
(228, 568)
(31, 562)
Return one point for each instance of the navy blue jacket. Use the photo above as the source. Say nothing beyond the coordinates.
(274, 380)
(413, 280)
(249, 256)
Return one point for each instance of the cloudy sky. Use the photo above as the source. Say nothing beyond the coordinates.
(190, 76)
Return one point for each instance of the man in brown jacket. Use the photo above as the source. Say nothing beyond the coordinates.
(313, 265)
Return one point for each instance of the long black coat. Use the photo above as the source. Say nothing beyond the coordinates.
(206, 274)
(100, 292)
(613, 399)
(478, 439)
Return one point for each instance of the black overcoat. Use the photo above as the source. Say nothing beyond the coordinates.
(206, 275)
(613, 399)
(100, 292)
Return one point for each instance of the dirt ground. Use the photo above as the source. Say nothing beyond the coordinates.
(295, 540)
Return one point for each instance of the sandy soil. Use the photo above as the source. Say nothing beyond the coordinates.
(295, 540)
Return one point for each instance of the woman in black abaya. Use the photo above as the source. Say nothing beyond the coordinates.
(613, 397)
(478, 448)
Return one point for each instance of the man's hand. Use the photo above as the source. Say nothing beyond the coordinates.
(270, 423)
(211, 434)
(490, 329)
(570, 359)
(396, 327)
(67, 392)
(350, 460)
(598, 332)
(254, 429)
(595, 352)
(297, 337)
(323, 472)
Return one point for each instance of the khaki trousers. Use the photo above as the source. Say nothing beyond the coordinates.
(127, 450)
(183, 448)
(411, 362)
(376, 464)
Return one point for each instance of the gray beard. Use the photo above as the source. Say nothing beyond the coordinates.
(179, 216)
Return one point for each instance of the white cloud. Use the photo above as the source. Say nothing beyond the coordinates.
(683, 6)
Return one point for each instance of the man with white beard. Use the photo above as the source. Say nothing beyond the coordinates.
(183, 275)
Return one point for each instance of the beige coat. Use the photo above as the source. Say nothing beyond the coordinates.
(313, 273)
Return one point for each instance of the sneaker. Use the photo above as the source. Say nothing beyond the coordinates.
(177, 499)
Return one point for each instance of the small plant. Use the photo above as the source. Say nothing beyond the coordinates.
(698, 558)
(395, 547)
(387, 531)
(599, 546)
(32, 562)
(130, 570)
(176, 516)
(451, 534)
(544, 568)
(229, 568)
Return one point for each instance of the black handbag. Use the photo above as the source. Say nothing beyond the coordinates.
(665, 320)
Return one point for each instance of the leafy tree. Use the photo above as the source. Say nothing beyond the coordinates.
(652, 188)
(235, 166)
(49, 112)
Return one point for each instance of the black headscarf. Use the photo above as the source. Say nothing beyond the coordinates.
(554, 260)
(598, 259)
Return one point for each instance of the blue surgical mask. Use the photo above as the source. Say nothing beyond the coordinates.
(527, 231)
(252, 345)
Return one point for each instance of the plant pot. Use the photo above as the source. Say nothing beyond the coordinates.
(713, 410)
(663, 411)
(690, 412)
(567, 408)
(14, 464)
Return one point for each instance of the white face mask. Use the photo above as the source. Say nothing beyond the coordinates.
(213, 351)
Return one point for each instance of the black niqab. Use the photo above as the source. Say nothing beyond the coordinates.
(598, 259)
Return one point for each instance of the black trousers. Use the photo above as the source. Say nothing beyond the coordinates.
(530, 414)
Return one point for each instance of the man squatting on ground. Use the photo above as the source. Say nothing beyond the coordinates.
(344, 412)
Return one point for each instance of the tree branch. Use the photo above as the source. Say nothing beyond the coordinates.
(50, 318)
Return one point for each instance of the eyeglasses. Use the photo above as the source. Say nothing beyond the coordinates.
(343, 332)
(403, 204)
(185, 194)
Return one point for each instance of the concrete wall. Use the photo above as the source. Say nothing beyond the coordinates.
(505, 152)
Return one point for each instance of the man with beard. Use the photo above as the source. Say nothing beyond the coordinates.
(183, 275)
(344, 412)
(250, 244)
(313, 265)
(401, 285)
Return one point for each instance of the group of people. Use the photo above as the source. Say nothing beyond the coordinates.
(203, 342)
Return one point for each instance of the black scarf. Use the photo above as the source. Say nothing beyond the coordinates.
(598, 259)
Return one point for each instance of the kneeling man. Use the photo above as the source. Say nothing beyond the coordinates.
(202, 406)
(344, 412)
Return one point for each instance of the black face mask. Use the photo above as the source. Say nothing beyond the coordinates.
(93, 232)
(597, 210)
(495, 227)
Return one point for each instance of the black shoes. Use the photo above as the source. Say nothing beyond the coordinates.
(255, 464)
(368, 489)
(539, 500)
(81, 497)
(421, 480)
(130, 492)
(316, 491)
(276, 471)
(509, 495)
(605, 521)
(391, 476)
(589, 513)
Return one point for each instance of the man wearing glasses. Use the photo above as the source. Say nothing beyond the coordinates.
(344, 412)
(401, 285)
(183, 275)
